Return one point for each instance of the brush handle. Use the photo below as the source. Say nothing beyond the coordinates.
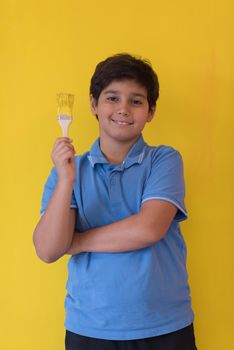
(65, 126)
(64, 123)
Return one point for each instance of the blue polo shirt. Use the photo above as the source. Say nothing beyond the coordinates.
(133, 294)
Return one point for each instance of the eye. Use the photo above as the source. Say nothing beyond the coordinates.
(112, 98)
(137, 102)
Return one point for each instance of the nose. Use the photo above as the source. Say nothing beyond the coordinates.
(123, 110)
(125, 114)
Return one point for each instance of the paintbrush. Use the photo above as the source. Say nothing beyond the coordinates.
(65, 103)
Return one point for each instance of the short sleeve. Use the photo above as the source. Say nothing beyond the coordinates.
(49, 189)
(166, 180)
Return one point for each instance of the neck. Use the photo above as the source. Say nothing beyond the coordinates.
(115, 152)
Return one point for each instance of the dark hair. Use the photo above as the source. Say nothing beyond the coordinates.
(124, 66)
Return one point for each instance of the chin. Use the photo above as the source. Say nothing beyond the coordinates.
(126, 138)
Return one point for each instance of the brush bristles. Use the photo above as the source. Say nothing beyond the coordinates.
(64, 117)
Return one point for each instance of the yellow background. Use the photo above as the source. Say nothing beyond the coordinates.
(53, 46)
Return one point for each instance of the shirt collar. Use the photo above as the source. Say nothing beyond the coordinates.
(135, 154)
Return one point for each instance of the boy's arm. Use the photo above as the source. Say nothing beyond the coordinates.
(54, 232)
(135, 232)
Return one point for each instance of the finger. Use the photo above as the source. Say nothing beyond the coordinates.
(63, 154)
(62, 146)
(57, 157)
(60, 140)
(64, 138)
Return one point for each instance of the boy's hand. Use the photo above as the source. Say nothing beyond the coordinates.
(76, 244)
(62, 155)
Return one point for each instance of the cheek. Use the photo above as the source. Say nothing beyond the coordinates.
(142, 117)
(105, 111)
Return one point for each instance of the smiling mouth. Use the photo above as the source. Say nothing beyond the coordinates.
(121, 122)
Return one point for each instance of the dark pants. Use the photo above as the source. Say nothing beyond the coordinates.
(182, 339)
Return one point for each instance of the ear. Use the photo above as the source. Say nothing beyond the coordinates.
(93, 105)
(151, 114)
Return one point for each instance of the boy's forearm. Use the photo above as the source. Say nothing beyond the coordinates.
(54, 232)
(128, 234)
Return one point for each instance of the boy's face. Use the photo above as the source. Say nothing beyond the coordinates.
(122, 111)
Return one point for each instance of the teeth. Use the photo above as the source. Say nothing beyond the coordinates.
(121, 122)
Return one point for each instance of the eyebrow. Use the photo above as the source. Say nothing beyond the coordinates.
(118, 92)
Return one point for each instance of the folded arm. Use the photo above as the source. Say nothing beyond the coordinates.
(135, 232)
(54, 232)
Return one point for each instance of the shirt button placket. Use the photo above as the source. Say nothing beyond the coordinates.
(114, 190)
(112, 180)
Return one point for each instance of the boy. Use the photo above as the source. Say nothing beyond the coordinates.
(116, 209)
